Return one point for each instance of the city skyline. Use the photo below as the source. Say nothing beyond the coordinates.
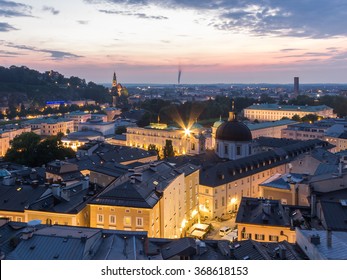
(148, 41)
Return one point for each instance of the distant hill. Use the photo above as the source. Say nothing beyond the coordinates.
(23, 85)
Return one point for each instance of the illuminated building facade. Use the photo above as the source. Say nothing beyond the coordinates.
(274, 112)
(78, 117)
(184, 141)
(156, 198)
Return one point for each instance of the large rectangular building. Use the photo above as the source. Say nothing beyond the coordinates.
(274, 112)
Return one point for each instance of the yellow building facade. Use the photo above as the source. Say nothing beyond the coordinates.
(183, 141)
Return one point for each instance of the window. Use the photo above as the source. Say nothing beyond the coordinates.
(127, 210)
(127, 221)
(223, 201)
(245, 235)
(215, 204)
(238, 150)
(259, 237)
(273, 238)
(100, 218)
(139, 222)
(226, 149)
(112, 219)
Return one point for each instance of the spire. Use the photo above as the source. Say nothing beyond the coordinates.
(232, 115)
(114, 80)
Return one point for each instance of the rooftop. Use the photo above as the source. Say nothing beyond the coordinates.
(311, 109)
(262, 212)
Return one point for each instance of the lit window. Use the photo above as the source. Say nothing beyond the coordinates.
(127, 221)
(273, 238)
(259, 237)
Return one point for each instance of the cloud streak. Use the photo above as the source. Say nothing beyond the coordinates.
(51, 10)
(5, 27)
(54, 54)
(14, 9)
(128, 13)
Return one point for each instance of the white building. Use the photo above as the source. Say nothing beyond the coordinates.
(274, 112)
(106, 128)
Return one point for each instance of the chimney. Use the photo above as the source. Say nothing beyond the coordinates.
(153, 167)
(313, 205)
(85, 183)
(27, 233)
(138, 176)
(340, 167)
(56, 191)
(267, 207)
(315, 239)
(65, 194)
(329, 238)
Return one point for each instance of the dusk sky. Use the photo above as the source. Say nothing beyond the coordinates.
(145, 41)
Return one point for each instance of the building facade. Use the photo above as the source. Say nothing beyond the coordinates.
(183, 141)
(274, 112)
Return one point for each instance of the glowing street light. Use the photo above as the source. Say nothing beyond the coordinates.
(187, 131)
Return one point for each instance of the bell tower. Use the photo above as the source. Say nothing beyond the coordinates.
(114, 80)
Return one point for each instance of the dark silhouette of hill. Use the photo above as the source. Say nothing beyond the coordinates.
(21, 84)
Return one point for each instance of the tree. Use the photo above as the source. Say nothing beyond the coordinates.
(168, 149)
(121, 130)
(311, 118)
(296, 118)
(23, 149)
(152, 147)
(28, 149)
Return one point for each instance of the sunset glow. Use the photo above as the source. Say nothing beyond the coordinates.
(145, 41)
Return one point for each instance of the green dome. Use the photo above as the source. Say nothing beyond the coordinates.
(218, 123)
(4, 173)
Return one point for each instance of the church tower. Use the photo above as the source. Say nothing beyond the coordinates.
(233, 139)
(114, 81)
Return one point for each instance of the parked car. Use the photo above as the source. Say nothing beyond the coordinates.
(224, 230)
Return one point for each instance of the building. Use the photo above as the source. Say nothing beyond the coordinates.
(77, 139)
(269, 129)
(51, 126)
(184, 141)
(113, 153)
(339, 140)
(274, 112)
(106, 128)
(21, 241)
(59, 171)
(322, 244)
(296, 86)
(288, 188)
(62, 204)
(264, 221)
(118, 92)
(233, 139)
(303, 131)
(78, 117)
(223, 183)
(8, 133)
(156, 198)
(112, 113)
